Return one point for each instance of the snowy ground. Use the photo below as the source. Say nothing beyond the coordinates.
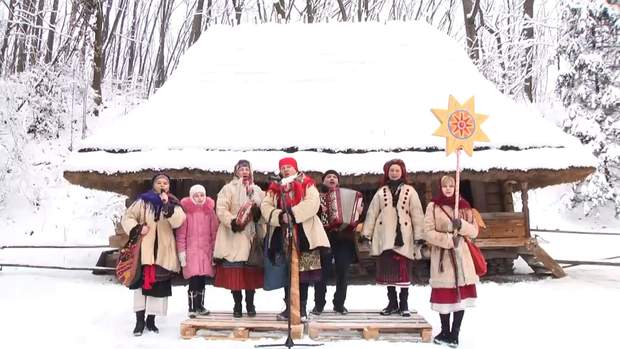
(78, 309)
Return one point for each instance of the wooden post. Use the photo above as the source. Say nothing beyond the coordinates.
(526, 210)
(428, 192)
(507, 196)
(294, 293)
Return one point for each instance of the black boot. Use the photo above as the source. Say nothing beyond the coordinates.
(283, 316)
(237, 297)
(457, 319)
(392, 306)
(200, 304)
(191, 304)
(403, 307)
(139, 328)
(249, 303)
(302, 310)
(150, 324)
(444, 336)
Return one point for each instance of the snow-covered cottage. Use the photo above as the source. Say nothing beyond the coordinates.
(337, 96)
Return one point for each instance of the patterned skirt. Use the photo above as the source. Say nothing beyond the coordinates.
(393, 269)
(446, 300)
(310, 267)
(238, 276)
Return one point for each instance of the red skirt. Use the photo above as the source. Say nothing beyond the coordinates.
(446, 300)
(393, 269)
(238, 276)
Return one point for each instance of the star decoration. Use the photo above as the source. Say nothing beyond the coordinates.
(460, 124)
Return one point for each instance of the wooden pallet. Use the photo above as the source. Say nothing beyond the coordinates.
(220, 325)
(369, 325)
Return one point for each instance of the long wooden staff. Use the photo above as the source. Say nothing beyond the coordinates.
(293, 296)
(458, 268)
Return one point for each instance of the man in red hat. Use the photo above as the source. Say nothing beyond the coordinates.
(295, 200)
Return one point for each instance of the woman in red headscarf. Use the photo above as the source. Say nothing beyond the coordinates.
(295, 198)
(393, 221)
(441, 228)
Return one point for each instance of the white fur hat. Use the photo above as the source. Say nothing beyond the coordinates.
(197, 188)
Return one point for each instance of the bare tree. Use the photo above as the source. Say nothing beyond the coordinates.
(7, 32)
(470, 10)
(197, 22)
(160, 64)
(51, 32)
(528, 33)
(238, 5)
(98, 63)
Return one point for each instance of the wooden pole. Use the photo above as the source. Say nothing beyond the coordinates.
(526, 210)
(457, 185)
(294, 293)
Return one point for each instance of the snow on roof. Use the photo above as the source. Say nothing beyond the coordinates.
(346, 164)
(366, 87)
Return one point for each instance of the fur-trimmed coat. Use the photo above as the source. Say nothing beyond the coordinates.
(437, 233)
(380, 223)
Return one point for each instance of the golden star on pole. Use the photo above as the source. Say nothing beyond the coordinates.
(460, 124)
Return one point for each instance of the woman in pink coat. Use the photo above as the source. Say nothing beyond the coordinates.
(195, 242)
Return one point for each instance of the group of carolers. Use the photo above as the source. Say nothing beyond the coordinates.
(204, 240)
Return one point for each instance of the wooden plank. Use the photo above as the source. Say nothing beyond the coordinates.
(426, 335)
(542, 256)
(504, 242)
(187, 331)
(369, 325)
(358, 325)
(370, 333)
(478, 191)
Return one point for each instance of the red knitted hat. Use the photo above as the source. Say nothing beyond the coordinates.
(288, 161)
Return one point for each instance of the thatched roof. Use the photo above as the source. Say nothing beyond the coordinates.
(342, 96)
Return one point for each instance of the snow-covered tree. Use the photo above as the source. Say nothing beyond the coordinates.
(589, 87)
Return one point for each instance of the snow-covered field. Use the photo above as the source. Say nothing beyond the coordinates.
(80, 310)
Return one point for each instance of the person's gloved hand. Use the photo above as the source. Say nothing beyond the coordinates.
(235, 227)
(457, 224)
(182, 259)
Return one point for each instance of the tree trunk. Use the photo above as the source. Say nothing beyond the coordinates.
(310, 11)
(5, 38)
(209, 14)
(528, 34)
(163, 27)
(470, 10)
(25, 27)
(51, 33)
(132, 42)
(343, 11)
(197, 22)
(38, 32)
(98, 54)
(238, 5)
(117, 54)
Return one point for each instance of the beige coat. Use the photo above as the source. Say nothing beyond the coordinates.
(166, 245)
(380, 223)
(235, 247)
(304, 212)
(436, 226)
